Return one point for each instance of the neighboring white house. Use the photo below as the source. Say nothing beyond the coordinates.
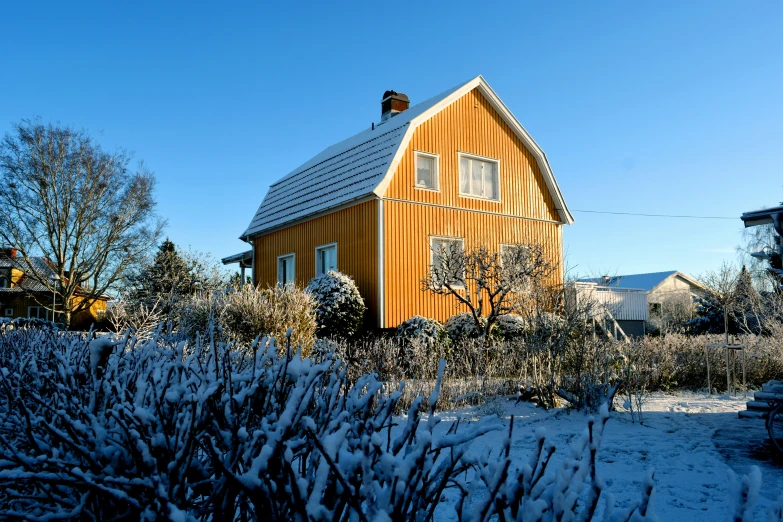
(620, 312)
(660, 286)
(670, 295)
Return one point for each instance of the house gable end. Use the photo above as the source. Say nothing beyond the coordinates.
(480, 86)
(471, 127)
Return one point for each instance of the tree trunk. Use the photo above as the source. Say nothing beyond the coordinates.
(66, 313)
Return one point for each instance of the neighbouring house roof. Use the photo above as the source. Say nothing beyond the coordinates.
(29, 283)
(243, 258)
(361, 167)
(33, 283)
(764, 216)
(646, 282)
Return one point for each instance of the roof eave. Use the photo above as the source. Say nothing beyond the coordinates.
(247, 237)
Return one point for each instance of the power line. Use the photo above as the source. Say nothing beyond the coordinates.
(654, 215)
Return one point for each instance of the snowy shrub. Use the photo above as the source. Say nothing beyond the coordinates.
(463, 326)
(339, 306)
(202, 314)
(251, 311)
(27, 323)
(511, 326)
(148, 430)
(428, 332)
(421, 343)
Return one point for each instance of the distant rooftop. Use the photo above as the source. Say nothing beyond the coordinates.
(644, 282)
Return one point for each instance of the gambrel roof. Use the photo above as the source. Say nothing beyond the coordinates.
(361, 167)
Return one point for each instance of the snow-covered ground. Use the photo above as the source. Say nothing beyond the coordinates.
(692, 440)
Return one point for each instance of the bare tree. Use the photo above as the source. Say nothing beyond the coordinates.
(723, 291)
(489, 284)
(64, 198)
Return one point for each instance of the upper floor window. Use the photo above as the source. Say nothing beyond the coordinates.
(479, 177)
(426, 170)
(285, 269)
(325, 259)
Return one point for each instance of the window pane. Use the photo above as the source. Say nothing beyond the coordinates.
(285, 270)
(490, 184)
(424, 169)
(476, 176)
(464, 179)
(327, 260)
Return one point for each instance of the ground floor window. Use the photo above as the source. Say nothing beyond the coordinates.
(325, 259)
(285, 269)
(37, 312)
(445, 257)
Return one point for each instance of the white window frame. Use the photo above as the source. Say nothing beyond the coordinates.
(292, 255)
(435, 174)
(470, 156)
(30, 308)
(460, 240)
(9, 312)
(325, 247)
(500, 251)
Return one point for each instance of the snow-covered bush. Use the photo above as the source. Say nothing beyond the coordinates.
(148, 430)
(511, 326)
(27, 323)
(245, 313)
(201, 314)
(420, 344)
(251, 311)
(117, 428)
(427, 332)
(463, 326)
(339, 306)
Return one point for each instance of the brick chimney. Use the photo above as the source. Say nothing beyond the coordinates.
(393, 103)
(8, 252)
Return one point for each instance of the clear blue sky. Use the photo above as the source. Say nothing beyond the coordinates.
(656, 107)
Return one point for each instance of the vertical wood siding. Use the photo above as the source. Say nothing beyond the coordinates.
(354, 229)
(526, 212)
(408, 228)
(472, 125)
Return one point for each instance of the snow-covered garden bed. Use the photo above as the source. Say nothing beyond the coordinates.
(155, 429)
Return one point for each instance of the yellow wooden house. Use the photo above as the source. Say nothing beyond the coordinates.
(458, 167)
(23, 295)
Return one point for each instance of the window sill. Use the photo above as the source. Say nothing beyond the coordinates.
(476, 198)
(427, 189)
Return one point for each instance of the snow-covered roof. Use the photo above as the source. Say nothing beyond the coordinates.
(34, 274)
(243, 258)
(361, 167)
(646, 282)
(764, 216)
(29, 283)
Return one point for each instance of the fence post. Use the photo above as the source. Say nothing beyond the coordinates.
(709, 384)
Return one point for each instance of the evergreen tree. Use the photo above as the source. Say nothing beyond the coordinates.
(167, 276)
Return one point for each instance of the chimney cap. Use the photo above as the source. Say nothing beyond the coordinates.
(396, 95)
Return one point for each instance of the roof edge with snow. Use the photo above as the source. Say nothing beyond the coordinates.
(368, 161)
